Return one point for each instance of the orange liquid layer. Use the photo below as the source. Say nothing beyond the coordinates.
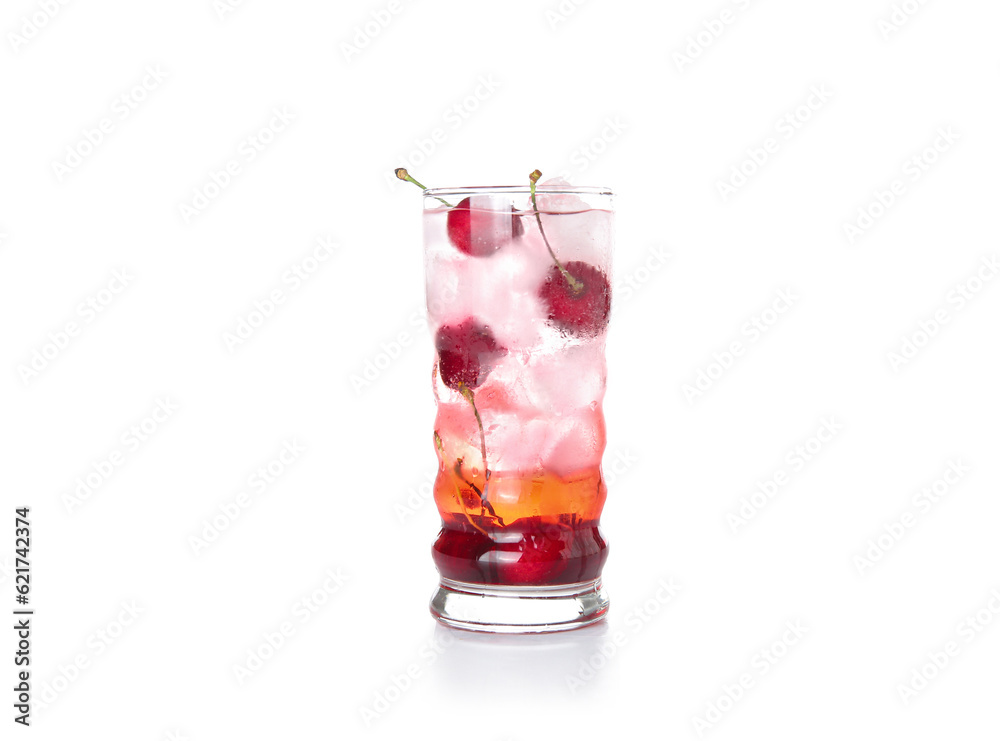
(579, 497)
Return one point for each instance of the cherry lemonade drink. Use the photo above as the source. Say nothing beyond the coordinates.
(519, 295)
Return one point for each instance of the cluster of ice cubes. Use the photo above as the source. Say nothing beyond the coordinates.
(541, 404)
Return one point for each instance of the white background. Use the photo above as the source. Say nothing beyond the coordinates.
(599, 92)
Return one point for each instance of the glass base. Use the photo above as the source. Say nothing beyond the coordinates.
(508, 609)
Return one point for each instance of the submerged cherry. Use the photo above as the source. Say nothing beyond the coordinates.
(535, 556)
(459, 552)
(466, 353)
(478, 243)
(576, 294)
(582, 310)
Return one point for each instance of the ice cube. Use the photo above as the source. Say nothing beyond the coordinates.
(583, 236)
(574, 443)
(565, 380)
(490, 220)
(515, 441)
(500, 291)
(560, 202)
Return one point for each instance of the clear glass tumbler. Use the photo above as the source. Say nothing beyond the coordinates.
(519, 297)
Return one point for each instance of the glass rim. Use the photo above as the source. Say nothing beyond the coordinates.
(518, 190)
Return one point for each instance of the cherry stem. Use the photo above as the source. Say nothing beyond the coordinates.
(486, 506)
(458, 491)
(402, 174)
(576, 285)
(469, 397)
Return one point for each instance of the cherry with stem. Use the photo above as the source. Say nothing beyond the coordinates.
(577, 294)
(466, 352)
(462, 233)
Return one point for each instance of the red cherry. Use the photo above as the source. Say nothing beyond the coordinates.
(537, 556)
(458, 554)
(466, 353)
(477, 245)
(587, 556)
(584, 312)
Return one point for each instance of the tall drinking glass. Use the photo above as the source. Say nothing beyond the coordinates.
(518, 298)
